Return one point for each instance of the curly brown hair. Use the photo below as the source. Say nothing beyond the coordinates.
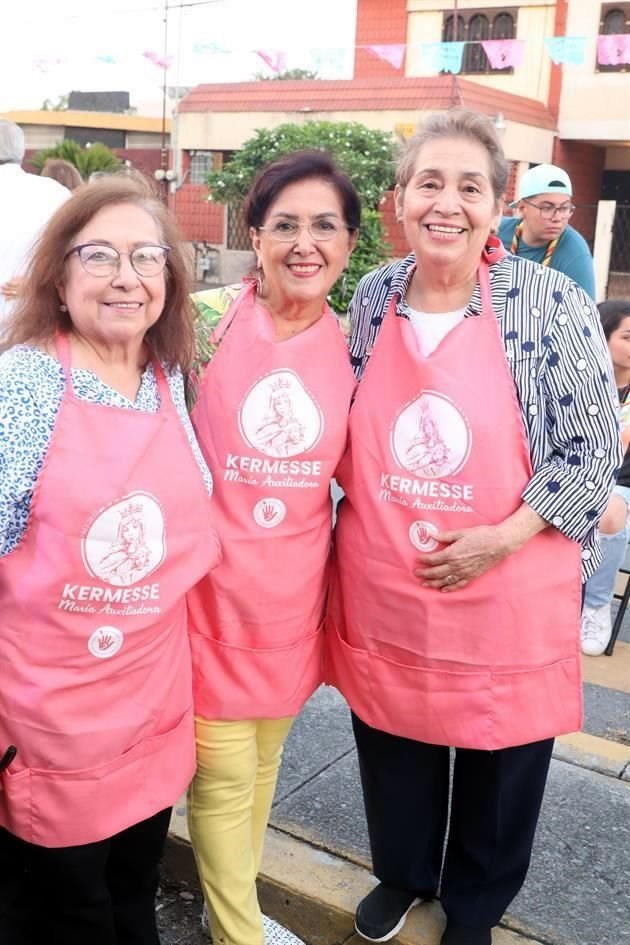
(37, 316)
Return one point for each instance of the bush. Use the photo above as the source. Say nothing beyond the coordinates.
(86, 160)
(366, 156)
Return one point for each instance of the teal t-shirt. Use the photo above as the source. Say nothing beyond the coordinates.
(571, 256)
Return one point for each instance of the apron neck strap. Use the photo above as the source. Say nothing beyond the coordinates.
(62, 347)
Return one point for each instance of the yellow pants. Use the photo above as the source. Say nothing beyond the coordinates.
(229, 802)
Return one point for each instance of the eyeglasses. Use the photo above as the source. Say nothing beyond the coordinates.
(286, 231)
(549, 210)
(101, 260)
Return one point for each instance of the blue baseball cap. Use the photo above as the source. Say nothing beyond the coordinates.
(543, 179)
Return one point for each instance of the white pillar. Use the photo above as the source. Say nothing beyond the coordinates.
(602, 246)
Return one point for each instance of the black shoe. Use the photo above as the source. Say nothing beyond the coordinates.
(383, 912)
(462, 935)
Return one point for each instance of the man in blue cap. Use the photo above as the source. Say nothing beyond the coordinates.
(541, 231)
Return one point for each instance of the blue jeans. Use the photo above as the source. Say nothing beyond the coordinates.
(600, 587)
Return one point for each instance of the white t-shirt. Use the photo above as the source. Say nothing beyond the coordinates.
(26, 203)
(432, 327)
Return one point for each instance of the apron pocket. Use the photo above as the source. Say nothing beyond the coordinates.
(237, 682)
(69, 808)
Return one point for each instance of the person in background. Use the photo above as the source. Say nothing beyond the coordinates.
(483, 441)
(270, 395)
(105, 523)
(26, 203)
(614, 529)
(541, 230)
(62, 171)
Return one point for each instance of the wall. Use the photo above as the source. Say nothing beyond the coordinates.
(534, 21)
(226, 131)
(594, 105)
(584, 163)
(379, 23)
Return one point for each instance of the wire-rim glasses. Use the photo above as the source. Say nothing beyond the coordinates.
(99, 259)
(548, 210)
(286, 231)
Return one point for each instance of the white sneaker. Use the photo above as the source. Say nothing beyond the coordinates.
(596, 629)
(275, 934)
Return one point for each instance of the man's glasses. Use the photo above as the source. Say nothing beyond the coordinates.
(549, 210)
(286, 231)
(101, 260)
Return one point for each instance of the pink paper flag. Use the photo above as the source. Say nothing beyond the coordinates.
(274, 58)
(393, 53)
(162, 62)
(504, 53)
(613, 50)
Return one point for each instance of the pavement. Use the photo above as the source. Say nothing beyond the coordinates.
(317, 865)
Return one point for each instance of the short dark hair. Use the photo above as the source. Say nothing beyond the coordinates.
(37, 316)
(291, 169)
(612, 313)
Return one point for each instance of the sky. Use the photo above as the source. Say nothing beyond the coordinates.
(48, 48)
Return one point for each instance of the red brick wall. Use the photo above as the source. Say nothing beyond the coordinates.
(557, 71)
(394, 233)
(379, 23)
(584, 163)
(198, 218)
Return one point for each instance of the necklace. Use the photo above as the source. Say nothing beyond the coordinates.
(548, 251)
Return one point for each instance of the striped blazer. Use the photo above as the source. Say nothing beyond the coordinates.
(562, 373)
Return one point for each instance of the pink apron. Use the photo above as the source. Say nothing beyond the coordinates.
(95, 663)
(272, 421)
(438, 443)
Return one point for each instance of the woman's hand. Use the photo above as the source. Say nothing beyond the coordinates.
(11, 289)
(471, 552)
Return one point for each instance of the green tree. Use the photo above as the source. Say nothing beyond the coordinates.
(98, 157)
(287, 75)
(366, 156)
(61, 105)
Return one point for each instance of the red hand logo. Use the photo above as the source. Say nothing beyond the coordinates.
(105, 642)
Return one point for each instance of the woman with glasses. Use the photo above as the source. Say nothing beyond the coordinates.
(104, 526)
(482, 443)
(541, 232)
(270, 392)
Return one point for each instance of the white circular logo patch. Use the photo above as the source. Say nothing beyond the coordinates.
(421, 535)
(431, 437)
(105, 642)
(269, 512)
(126, 541)
(279, 417)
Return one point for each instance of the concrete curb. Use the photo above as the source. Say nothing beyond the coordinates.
(315, 894)
(595, 753)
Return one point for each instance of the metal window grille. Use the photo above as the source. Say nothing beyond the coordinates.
(237, 229)
(614, 21)
(201, 163)
(619, 273)
(473, 26)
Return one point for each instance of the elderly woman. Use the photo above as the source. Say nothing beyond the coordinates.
(271, 416)
(96, 722)
(482, 446)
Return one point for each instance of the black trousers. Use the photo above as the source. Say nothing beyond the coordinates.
(495, 806)
(95, 894)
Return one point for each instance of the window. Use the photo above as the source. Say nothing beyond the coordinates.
(473, 26)
(615, 20)
(202, 162)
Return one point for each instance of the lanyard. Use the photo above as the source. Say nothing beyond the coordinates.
(548, 251)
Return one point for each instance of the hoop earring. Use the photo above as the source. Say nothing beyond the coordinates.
(63, 308)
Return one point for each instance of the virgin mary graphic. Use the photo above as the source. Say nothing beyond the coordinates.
(280, 433)
(427, 455)
(129, 557)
